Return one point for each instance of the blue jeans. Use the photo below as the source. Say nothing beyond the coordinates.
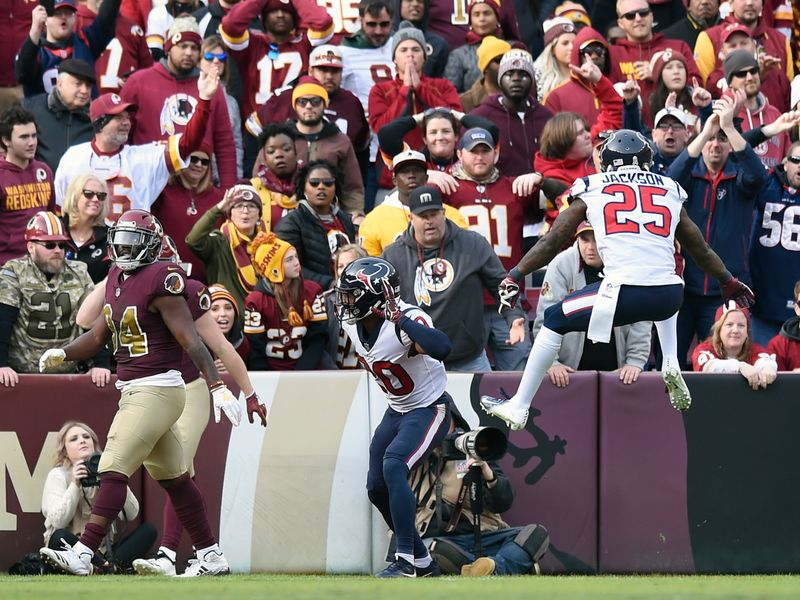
(764, 330)
(478, 364)
(695, 318)
(506, 358)
(509, 558)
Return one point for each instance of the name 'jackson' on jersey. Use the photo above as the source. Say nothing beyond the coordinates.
(634, 214)
(143, 344)
(410, 380)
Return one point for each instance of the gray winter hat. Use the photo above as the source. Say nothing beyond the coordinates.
(407, 31)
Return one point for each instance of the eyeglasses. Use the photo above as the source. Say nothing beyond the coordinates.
(327, 182)
(272, 52)
(52, 245)
(596, 50)
(244, 206)
(795, 160)
(89, 194)
(668, 126)
(196, 160)
(314, 101)
(631, 15)
(745, 72)
(220, 56)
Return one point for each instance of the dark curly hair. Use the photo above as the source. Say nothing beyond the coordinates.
(304, 171)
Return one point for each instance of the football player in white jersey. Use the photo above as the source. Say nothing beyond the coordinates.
(399, 346)
(636, 216)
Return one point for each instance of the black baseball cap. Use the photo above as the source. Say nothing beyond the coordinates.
(77, 68)
(424, 198)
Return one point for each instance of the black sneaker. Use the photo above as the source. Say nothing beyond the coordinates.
(432, 570)
(399, 568)
(449, 557)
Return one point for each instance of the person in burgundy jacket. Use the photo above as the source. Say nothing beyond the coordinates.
(14, 27)
(786, 345)
(167, 96)
(590, 94)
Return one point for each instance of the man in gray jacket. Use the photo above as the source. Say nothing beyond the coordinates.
(629, 347)
(445, 270)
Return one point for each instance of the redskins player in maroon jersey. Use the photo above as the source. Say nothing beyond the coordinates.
(149, 324)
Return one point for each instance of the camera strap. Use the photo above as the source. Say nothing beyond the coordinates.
(466, 482)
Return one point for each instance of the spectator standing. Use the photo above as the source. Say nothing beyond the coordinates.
(209, 17)
(785, 346)
(161, 19)
(516, 112)
(189, 194)
(268, 61)
(416, 13)
(722, 176)
(38, 58)
(14, 28)
(386, 222)
(774, 250)
(26, 184)
(63, 114)
(628, 348)
(742, 74)
(671, 78)
(285, 320)
(630, 57)
(447, 270)
(462, 67)
(84, 213)
(278, 165)
(166, 95)
(227, 252)
(67, 501)
(39, 297)
(551, 67)
(318, 227)
(730, 349)
(410, 92)
(110, 157)
(700, 15)
(489, 53)
(126, 53)
(451, 21)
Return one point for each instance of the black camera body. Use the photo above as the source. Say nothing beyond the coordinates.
(483, 443)
(92, 463)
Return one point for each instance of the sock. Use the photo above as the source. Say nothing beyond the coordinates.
(409, 558)
(108, 504)
(423, 562)
(544, 351)
(173, 529)
(402, 504)
(190, 508)
(168, 552)
(668, 340)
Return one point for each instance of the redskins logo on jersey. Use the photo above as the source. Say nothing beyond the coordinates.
(177, 110)
(174, 283)
(205, 299)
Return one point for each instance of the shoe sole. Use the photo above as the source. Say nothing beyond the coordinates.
(206, 574)
(514, 425)
(679, 396)
(57, 564)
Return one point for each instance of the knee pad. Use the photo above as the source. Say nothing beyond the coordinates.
(534, 539)
(450, 556)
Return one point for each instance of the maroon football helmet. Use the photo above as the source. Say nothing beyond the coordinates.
(135, 239)
(169, 251)
(45, 226)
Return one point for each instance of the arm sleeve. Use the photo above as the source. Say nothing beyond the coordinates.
(637, 344)
(681, 169)
(437, 92)
(383, 107)
(315, 20)
(435, 343)
(224, 146)
(390, 136)
(754, 137)
(631, 116)
(8, 316)
(500, 496)
(752, 175)
(198, 239)
(454, 71)
(102, 29)
(234, 25)
(59, 499)
(192, 138)
(610, 117)
(766, 362)
(26, 67)
(470, 121)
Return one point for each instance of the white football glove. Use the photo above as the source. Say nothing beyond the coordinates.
(51, 359)
(224, 400)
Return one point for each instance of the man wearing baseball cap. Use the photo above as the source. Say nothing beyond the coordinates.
(447, 271)
(670, 137)
(136, 175)
(519, 136)
(384, 223)
(166, 95)
(484, 194)
(38, 57)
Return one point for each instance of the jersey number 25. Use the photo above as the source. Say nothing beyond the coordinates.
(631, 199)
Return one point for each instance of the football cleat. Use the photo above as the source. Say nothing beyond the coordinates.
(432, 570)
(399, 568)
(504, 409)
(68, 560)
(679, 395)
(212, 563)
(160, 564)
(482, 567)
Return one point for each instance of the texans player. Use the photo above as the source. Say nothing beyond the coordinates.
(148, 322)
(398, 345)
(636, 216)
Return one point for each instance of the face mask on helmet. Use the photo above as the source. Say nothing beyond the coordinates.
(133, 248)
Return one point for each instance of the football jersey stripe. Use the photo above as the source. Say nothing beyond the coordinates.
(317, 38)
(441, 413)
(577, 304)
(235, 43)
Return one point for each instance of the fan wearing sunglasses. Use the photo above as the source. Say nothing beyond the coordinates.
(84, 215)
(39, 298)
(167, 97)
(630, 56)
(318, 227)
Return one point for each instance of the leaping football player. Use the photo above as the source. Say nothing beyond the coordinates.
(397, 343)
(636, 216)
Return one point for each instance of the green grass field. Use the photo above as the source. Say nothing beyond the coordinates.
(313, 587)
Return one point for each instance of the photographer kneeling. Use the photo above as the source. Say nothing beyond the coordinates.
(450, 485)
(69, 494)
